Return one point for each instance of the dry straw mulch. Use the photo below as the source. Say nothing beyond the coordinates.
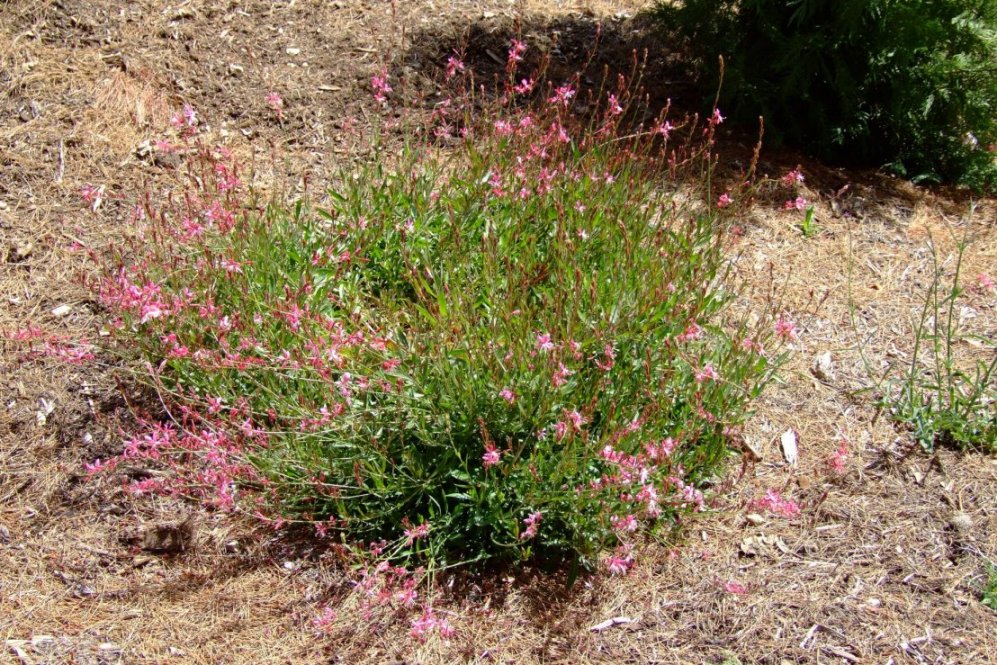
(884, 565)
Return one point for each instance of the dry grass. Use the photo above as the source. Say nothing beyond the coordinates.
(876, 569)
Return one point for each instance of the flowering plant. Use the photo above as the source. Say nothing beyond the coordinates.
(532, 353)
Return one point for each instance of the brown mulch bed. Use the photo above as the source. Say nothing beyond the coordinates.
(884, 565)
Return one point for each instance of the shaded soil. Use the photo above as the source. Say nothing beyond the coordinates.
(885, 564)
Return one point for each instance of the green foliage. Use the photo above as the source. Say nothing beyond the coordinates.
(809, 224)
(989, 595)
(935, 396)
(912, 84)
(521, 347)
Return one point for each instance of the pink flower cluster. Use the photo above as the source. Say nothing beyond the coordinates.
(414, 533)
(93, 196)
(785, 328)
(454, 65)
(706, 373)
(532, 523)
(837, 462)
(774, 502)
(792, 178)
(379, 83)
(492, 455)
(186, 122)
(562, 95)
(516, 52)
(429, 623)
(985, 283)
(144, 299)
(276, 102)
(621, 561)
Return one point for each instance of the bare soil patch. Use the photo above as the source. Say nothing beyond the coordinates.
(884, 565)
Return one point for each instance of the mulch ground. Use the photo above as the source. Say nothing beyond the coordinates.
(884, 565)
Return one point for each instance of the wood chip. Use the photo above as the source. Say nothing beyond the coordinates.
(609, 623)
(789, 448)
(841, 653)
(753, 450)
(823, 368)
(763, 544)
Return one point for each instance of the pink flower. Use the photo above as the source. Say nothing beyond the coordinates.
(799, 203)
(575, 419)
(503, 128)
(93, 195)
(231, 266)
(562, 133)
(609, 353)
(324, 620)
(618, 565)
(492, 456)
(724, 200)
(532, 523)
(563, 95)
(407, 596)
(560, 429)
(525, 86)
(414, 533)
(561, 375)
(276, 102)
(516, 51)
(614, 106)
(837, 461)
(152, 311)
(380, 85)
(692, 495)
(293, 317)
(621, 562)
(785, 328)
(707, 372)
(427, 623)
(664, 129)
(984, 282)
(544, 343)
(660, 450)
(94, 467)
(692, 332)
(507, 395)
(186, 120)
(716, 118)
(775, 503)
(735, 588)
(454, 65)
(627, 523)
(792, 178)
(751, 345)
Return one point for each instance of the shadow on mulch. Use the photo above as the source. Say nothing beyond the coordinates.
(599, 53)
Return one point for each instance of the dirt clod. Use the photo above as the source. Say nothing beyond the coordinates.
(168, 538)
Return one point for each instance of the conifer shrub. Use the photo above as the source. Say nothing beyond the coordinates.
(910, 84)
